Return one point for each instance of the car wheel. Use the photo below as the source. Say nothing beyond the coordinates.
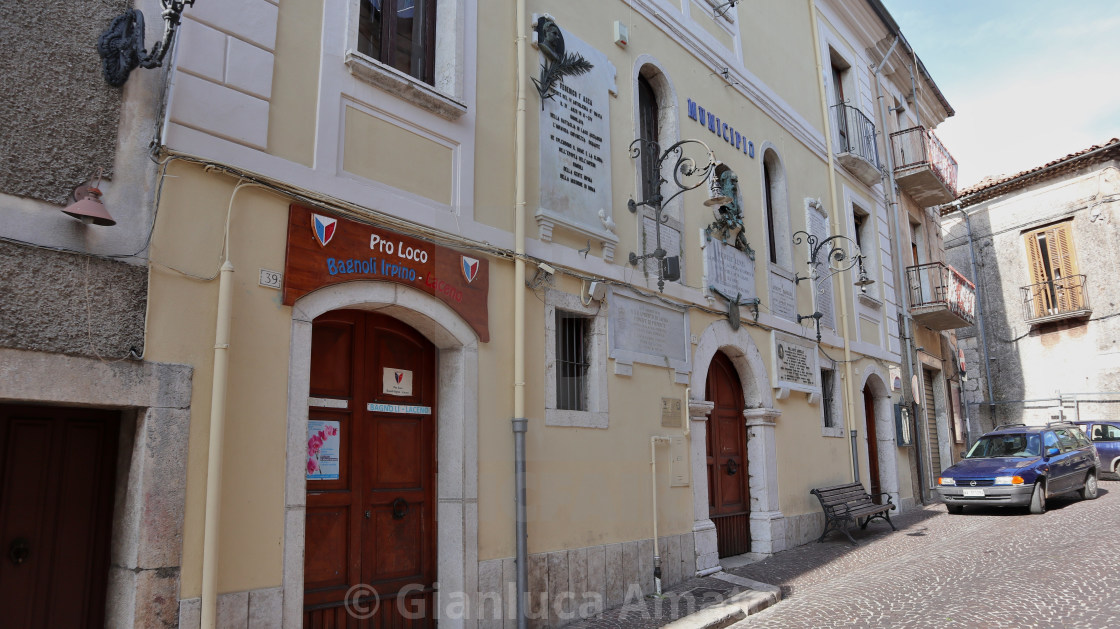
(955, 509)
(1038, 498)
(1089, 491)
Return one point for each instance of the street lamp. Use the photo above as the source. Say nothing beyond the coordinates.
(838, 258)
(688, 174)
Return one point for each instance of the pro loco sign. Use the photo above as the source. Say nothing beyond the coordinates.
(325, 250)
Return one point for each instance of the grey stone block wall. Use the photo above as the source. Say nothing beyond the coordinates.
(66, 303)
(58, 116)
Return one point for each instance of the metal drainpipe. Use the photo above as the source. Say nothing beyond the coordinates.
(848, 376)
(905, 325)
(979, 306)
(520, 423)
(653, 441)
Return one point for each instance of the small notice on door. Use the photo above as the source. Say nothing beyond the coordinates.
(396, 382)
(323, 445)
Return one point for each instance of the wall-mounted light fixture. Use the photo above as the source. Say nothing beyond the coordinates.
(87, 207)
(837, 257)
(121, 46)
(688, 174)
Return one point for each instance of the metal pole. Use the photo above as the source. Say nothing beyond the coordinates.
(520, 426)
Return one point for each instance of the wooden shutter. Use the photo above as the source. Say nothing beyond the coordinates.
(1059, 242)
(1040, 294)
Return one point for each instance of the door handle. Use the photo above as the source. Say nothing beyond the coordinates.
(732, 467)
(19, 550)
(400, 509)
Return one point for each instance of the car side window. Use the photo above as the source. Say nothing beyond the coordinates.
(1082, 440)
(1067, 440)
(1049, 440)
(1109, 432)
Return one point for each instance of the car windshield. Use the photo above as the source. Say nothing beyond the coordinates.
(1013, 445)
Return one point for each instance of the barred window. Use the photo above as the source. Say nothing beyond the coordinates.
(572, 360)
(827, 385)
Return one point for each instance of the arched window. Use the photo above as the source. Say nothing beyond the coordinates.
(647, 131)
(776, 205)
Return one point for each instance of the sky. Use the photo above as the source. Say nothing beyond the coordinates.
(1031, 81)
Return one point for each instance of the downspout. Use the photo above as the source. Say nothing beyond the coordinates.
(848, 395)
(520, 423)
(905, 322)
(210, 539)
(653, 441)
(979, 308)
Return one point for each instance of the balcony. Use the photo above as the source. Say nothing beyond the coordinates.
(1061, 298)
(856, 149)
(940, 297)
(923, 168)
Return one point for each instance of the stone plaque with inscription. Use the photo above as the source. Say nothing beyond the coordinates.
(796, 364)
(647, 332)
(783, 296)
(818, 226)
(575, 148)
(729, 270)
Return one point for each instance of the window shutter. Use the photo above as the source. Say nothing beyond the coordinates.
(1060, 244)
(1039, 293)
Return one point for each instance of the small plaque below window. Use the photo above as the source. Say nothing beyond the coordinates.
(670, 412)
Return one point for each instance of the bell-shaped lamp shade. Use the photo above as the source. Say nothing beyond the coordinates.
(717, 200)
(864, 281)
(90, 210)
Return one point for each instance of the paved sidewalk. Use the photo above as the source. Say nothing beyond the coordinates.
(727, 597)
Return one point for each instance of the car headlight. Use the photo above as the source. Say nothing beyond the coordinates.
(1009, 480)
(944, 480)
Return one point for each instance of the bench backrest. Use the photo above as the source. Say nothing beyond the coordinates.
(850, 494)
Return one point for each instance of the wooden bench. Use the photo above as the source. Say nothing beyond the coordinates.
(847, 505)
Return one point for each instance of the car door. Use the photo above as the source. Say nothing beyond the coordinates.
(1058, 474)
(1075, 460)
(1106, 438)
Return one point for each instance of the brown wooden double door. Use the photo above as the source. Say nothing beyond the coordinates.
(371, 532)
(57, 467)
(729, 495)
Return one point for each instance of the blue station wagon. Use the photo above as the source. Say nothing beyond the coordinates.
(1017, 465)
(1105, 436)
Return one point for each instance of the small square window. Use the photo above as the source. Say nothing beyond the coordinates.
(575, 362)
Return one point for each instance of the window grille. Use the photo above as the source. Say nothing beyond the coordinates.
(826, 397)
(572, 360)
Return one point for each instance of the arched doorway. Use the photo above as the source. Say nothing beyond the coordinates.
(728, 480)
(456, 420)
(370, 471)
(872, 445)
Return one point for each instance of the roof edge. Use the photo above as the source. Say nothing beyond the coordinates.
(892, 26)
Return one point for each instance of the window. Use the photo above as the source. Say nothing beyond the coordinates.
(828, 385)
(776, 206)
(768, 195)
(839, 71)
(1055, 284)
(575, 362)
(572, 360)
(1106, 432)
(1067, 440)
(647, 131)
(401, 34)
(1049, 440)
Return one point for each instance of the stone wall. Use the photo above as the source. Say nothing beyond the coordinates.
(70, 304)
(58, 116)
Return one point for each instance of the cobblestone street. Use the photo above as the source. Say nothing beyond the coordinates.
(986, 568)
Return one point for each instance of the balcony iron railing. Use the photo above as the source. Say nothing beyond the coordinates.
(855, 133)
(1059, 298)
(919, 146)
(937, 288)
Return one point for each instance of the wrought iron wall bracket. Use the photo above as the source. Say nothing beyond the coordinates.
(121, 46)
(816, 316)
(733, 306)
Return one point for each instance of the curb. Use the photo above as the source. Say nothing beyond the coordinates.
(736, 608)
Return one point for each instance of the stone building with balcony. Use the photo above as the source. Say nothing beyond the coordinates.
(1041, 245)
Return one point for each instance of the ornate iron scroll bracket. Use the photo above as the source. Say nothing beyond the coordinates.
(836, 257)
(688, 174)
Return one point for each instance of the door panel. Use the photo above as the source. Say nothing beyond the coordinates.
(56, 498)
(872, 446)
(375, 525)
(728, 482)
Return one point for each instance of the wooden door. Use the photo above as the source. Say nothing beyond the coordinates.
(56, 506)
(728, 483)
(371, 531)
(872, 446)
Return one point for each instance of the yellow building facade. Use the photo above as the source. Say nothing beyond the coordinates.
(297, 148)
